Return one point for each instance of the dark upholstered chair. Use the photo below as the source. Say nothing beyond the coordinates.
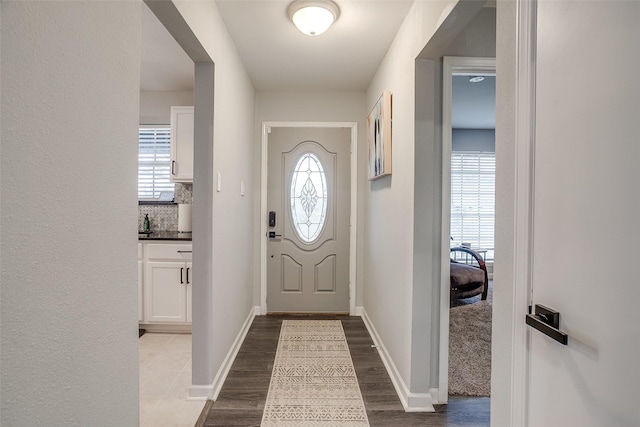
(468, 274)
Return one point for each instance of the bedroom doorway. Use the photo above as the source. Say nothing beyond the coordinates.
(468, 206)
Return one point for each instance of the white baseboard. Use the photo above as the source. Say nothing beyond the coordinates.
(412, 402)
(200, 392)
(435, 392)
(211, 392)
(359, 310)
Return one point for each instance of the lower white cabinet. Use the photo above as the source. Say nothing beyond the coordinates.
(168, 276)
(140, 284)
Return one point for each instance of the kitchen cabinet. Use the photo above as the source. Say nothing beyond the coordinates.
(182, 144)
(168, 278)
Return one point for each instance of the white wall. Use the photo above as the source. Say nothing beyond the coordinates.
(68, 268)
(155, 106)
(473, 140)
(233, 152)
(310, 107)
(388, 293)
(401, 292)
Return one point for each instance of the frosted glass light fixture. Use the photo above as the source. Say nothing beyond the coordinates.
(313, 17)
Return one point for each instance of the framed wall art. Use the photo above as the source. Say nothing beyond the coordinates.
(379, 137)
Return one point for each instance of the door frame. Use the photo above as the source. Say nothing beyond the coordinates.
(520, 270)
(353, 215)
(451, 66)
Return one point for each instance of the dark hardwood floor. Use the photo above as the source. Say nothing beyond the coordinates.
(244, 393)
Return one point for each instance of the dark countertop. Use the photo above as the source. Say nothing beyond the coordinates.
(164, 235)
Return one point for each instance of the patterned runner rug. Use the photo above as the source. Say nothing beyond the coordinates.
(313, 383)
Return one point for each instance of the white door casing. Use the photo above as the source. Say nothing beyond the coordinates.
(266, 129)
(451, 66)
(308, 247)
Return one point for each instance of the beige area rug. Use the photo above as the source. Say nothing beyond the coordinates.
(470, 346)
(313, 381)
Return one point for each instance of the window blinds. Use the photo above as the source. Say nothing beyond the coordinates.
(473, 199)
(154, 162)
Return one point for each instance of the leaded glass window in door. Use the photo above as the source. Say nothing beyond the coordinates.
(308, 197)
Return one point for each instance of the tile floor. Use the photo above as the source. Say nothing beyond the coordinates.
(165, 377)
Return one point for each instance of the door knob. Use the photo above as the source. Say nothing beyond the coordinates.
(273, 235)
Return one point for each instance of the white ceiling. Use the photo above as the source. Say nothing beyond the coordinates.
(278, 57)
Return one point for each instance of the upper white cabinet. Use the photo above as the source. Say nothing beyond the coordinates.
(182, 144)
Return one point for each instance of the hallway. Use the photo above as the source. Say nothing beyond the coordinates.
(244, 393)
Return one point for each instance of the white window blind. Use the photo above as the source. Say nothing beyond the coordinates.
(154, 162)
(473, 176)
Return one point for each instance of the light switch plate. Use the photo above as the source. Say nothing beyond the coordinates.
(219, 184)
(242, 188)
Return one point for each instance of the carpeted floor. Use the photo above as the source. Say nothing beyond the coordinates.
(470, 346)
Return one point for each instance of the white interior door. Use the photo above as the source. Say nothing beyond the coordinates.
(586, 214)
(308, 200)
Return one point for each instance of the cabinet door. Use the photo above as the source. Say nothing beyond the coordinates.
(165, 286)
(188, 296)
(140, 293)
(182, 144)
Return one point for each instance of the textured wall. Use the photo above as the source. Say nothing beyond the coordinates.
(69, 107)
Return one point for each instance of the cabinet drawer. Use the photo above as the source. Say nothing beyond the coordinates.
(168, 251)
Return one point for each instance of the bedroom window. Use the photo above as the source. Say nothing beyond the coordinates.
(154, 162)
(473, 176)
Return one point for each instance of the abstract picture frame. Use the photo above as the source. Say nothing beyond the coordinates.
(379, 137)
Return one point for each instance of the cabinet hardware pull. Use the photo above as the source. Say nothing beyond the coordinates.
(188, 275)
(185, 252)
(173, 167)
(181, 280)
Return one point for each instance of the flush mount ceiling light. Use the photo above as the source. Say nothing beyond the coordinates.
(476, 79)
(313, 17)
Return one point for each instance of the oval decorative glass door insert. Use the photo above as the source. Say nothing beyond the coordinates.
(308, 197)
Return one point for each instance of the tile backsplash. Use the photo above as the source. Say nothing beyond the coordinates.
(165, 217)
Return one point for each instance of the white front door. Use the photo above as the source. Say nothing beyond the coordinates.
(586, 214)
(308, 200)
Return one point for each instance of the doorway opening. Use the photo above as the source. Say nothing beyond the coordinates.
(468, 210)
